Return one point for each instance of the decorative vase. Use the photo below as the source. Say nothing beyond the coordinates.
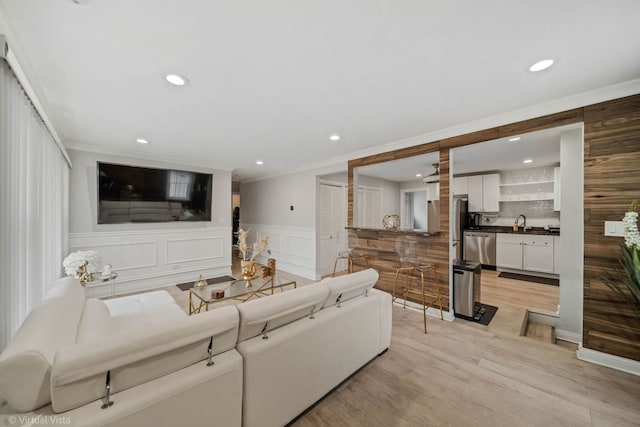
(391, 222)
(201, 283)
(248, 269)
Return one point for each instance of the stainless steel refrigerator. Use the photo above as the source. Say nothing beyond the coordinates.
(460, 220)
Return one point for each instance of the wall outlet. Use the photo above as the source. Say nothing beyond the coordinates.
(614, 228)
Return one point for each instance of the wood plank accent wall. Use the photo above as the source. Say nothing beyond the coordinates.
(611, 181)
(380, 248)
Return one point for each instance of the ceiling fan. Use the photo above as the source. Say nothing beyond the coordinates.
(433, 177)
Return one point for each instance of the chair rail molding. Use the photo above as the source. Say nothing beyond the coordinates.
(146, 259)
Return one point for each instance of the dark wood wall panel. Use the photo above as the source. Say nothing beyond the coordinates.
(539, 123)
(611, 182)
(380, 247)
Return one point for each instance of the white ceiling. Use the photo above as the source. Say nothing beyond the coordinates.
(272, 80)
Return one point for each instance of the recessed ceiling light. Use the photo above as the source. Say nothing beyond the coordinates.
(334, 137)
(527, 161)
(541, 65)
(259, 162)
(517, 138)
(142, 141)
(418, 175)
(176, 79)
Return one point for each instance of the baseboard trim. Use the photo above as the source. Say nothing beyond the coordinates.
(568, 336)
(609, 360)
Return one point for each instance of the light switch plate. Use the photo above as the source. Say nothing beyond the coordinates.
(614, 228)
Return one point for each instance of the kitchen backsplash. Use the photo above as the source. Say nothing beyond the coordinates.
(538, 212)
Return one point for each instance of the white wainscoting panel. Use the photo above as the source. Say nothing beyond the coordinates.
(133, 255)
(194, 249)
(149, 259)
(294, 248)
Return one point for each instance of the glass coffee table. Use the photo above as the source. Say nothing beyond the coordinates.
(236, 290)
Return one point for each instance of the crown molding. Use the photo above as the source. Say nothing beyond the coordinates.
(177, 161)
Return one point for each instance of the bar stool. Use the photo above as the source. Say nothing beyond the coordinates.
(406, 250)
(349, 254)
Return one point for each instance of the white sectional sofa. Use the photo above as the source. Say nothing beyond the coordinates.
(272, 357)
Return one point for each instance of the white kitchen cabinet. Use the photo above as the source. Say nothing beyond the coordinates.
(537, 254)
(460, 186)
(475, 194)
(484, 193)
(556, 254)
(508, 251)
(556, 188)
(533, 253)
(433, 191)
(491, 192)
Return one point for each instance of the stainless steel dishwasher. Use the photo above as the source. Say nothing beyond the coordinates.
(480, 246)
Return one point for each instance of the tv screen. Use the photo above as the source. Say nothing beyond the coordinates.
(138, 194)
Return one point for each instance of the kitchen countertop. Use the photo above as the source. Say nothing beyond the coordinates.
(391, 231)
(540, 231)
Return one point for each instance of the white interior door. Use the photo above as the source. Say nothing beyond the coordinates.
(332, 221)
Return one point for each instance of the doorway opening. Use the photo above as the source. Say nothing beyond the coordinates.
(513, 188)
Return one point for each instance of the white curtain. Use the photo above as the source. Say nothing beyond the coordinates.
(33, 206)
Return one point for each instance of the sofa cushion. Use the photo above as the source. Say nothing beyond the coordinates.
(349, 286)
(139, 355)
(277, 310)
(25, 364)
(142, 310)
(95, 322)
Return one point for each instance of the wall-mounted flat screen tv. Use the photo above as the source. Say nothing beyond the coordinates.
(139, 194)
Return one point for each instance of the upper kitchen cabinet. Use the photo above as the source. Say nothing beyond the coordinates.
(484, 193)
(460, 186)
(433, 191)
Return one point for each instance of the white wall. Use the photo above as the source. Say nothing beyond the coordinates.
(390, 193)
(268, 201)
(571, 236)
(151, 254)
(266, 209)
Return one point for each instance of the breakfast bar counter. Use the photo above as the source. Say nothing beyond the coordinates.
(379, 246)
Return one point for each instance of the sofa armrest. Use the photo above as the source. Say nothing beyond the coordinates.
(79, 372)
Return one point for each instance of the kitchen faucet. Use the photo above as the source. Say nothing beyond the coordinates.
(524, 222)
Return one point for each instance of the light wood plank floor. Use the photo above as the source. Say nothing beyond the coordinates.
(465, 374)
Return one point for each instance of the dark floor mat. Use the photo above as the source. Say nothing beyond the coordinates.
(189, 285)
(485, 318)
(527, 278)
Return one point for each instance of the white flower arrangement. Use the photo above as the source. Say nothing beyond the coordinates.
(629, 287)
(631, 235)
(256, 249)
(76, 259)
